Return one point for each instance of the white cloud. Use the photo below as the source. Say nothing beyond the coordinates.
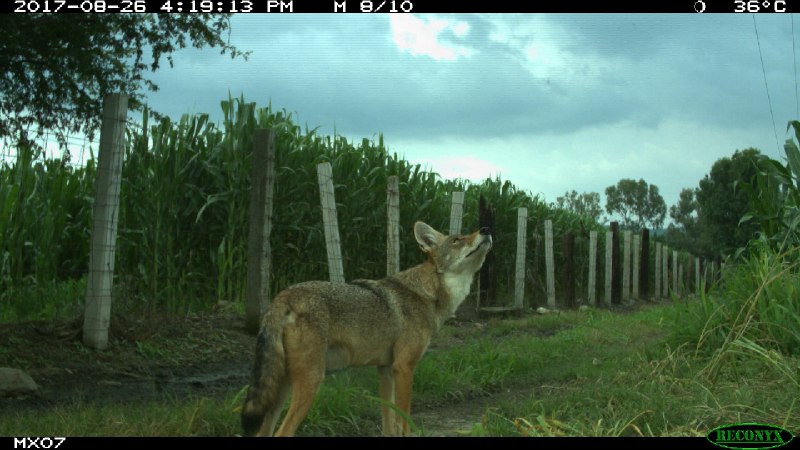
(460, 29)
(546, 49)
(544, 61)
(466, 167)
(423, 37)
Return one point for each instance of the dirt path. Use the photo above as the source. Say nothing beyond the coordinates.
(455, 419)
(146, 359)
(206, 355)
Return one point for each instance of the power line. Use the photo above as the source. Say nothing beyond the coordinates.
(769, 99)
(794, 59)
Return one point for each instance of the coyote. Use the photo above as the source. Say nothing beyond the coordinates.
(317, 326)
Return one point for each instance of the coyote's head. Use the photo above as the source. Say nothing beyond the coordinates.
(454, 254)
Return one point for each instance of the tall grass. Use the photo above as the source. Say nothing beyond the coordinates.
(755, 312)
(747, 327)
(45, 211)
(183, 218)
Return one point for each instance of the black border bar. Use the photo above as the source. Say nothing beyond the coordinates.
(399, 6)
(90, 443)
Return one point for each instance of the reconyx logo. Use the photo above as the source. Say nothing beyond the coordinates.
(749, 436)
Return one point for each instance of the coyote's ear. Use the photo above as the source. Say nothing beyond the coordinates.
(427, 237)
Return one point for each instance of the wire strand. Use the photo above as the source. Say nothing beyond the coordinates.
(769, 99)
(794, 59)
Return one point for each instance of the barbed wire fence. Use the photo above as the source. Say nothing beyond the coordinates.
(107, 149)
(79, 149)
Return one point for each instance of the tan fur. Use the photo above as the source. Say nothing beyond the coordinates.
(317, 326)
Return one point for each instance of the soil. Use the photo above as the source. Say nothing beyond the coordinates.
(206, 355)
(150, 359)
(145, 359)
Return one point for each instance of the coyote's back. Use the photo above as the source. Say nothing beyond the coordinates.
(316, 326)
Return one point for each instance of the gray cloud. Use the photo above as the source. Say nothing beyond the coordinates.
(593, 88)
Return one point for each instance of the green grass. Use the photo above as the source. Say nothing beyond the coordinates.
(630, 383)
(171, 417)
(759, 300)
(45, 300)
(662, 397)
(600, 374)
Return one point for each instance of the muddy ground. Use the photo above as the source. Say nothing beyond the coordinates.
(151, 359)
(145, 359)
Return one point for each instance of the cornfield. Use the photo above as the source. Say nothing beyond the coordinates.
(183, 217)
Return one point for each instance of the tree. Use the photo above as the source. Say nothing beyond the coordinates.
(638, 204)
(56, 68)
(684, 233)
(722, 203)
(586, 204)
(683, 212)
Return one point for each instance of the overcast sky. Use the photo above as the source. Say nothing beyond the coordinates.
(550, 102)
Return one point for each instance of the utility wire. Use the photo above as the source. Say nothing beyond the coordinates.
(794, 59)
(769, 99)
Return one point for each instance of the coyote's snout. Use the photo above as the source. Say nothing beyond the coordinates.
(316, 326)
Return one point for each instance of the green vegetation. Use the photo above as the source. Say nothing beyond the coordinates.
(45, 210)
(756, 310)
(730, 355)
(723, 203)
(757, 307)
(638, 203)
(684, 233)
(183, 218)
(577, 373)
(56, 69)
(170, 417)
(586, 204)
(774, 196)
(708, 218)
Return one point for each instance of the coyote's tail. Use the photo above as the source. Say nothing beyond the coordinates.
(269, 371)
